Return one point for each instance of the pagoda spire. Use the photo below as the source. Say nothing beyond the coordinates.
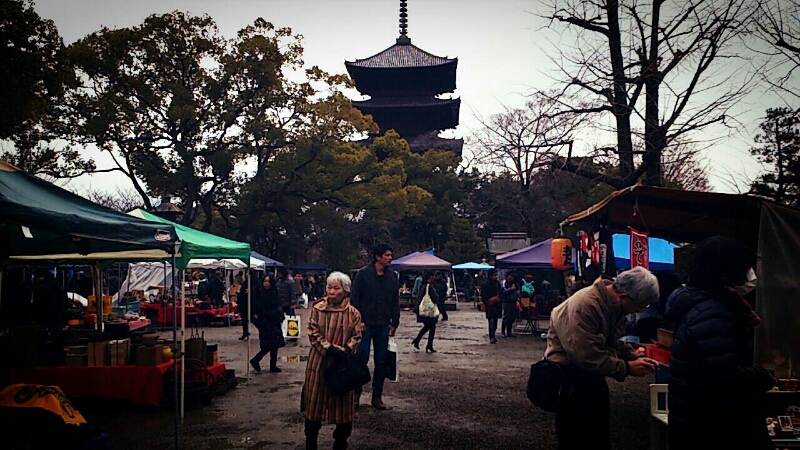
(403, 39)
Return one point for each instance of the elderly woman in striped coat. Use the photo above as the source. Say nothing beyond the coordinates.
(332, 328)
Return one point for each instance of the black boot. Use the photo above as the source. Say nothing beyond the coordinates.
(312, 433)
(341, 434)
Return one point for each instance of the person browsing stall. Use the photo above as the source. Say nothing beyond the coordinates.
(584, 340)
(715, 393)
(376, 296)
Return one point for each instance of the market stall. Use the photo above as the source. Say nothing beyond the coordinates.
(195, 244)
(771, 230)
(45, 224)
(427, 261)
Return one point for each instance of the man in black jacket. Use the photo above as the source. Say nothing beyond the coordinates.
(286, 290)
(375, 294)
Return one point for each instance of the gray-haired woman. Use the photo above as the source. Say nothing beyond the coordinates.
(332, 330)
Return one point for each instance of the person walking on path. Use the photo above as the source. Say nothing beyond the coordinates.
(440, 284)
(267, 317)
(376, 296)
(490, 295)
(711, 379)
(333, 329)
(584, 340)
(428, 323)
(243, 307)
(509, 297)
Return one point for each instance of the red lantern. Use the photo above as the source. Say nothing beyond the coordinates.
(561, 254)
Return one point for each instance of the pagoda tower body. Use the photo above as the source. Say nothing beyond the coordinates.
(404, 83)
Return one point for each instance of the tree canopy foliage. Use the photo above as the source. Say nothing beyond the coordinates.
(36, 76)
(780, 153)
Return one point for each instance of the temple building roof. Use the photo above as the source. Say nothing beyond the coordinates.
(402, 55)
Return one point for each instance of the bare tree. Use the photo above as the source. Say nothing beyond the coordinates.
(520, 142)
(684, 168)
(661, 71)
(122, 200)
(778, 25)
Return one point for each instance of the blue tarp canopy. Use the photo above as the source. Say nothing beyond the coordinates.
(310, 267)
(268, 262)
(473, 266)
(662, 256)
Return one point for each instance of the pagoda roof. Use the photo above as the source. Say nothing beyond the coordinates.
(401, 55)
(405, 102)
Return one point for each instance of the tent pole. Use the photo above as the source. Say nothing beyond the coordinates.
(455, 287)
(174, 347)
(183, 343)
(98, 296)
(249, 315)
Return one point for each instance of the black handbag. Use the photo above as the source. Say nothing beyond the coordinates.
(346, 375)
(544, 385)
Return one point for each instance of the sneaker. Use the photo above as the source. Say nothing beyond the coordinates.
(493, 341)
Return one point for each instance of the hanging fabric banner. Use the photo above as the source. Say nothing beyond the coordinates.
(640, 252)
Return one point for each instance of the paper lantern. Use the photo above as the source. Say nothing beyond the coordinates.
(561, 254)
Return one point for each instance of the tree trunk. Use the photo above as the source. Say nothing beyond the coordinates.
(654, 136)
(619, 104)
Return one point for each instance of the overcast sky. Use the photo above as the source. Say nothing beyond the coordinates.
(499, 44)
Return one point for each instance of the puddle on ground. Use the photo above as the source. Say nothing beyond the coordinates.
(294, 358)
(464, 327)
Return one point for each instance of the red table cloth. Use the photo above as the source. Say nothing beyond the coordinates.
(165, 311)
(138, 384)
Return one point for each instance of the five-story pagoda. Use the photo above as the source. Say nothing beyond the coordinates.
(404, 83)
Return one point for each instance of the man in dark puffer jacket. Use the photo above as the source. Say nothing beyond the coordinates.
(715, 395)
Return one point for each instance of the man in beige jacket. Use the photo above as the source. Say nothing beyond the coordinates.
(584, 339)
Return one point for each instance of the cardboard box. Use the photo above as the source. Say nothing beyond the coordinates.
(212, 358)
(77, 360)
(120, 351)
(98, 354)
(149, 355)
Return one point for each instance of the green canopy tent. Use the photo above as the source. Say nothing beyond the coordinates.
(196, 244)
(41, 221)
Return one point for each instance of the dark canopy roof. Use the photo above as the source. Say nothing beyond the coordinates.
(61, 225)
(675, 215)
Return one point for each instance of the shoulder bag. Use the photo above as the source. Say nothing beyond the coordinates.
(544, 385)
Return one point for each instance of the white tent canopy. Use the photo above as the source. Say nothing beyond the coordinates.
(144, 275)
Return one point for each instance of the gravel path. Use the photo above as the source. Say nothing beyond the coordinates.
(468, 395)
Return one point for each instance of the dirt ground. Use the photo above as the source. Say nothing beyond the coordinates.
(469, 395)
